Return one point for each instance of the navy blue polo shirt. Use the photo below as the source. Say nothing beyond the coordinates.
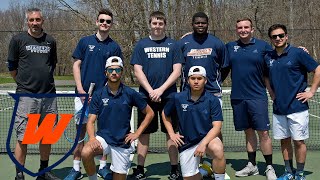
(114, 113)
(157, 58)
(195, 117)
(288, 77)
(209, 53)
(248, 68)
(93, 54)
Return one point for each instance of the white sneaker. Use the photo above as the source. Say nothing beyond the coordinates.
(270, 173)
(249, 170)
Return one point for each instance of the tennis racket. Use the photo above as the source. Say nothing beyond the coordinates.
(70, 132)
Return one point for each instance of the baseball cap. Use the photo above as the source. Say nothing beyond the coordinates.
(114, 61)
(199, 70)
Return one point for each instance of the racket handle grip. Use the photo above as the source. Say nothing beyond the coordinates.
(91, 88)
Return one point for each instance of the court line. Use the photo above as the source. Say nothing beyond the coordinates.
(314, 116)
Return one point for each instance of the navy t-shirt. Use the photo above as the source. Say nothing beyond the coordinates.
(195, 118)
(288, 77)
(248, 68)
(114, 113)
(93, 54)
(157, 58)
(209, 53)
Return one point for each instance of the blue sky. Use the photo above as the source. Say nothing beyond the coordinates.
(4, 4)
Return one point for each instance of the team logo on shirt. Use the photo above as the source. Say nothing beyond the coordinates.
(156, 52)
(200, 53)
(184, 107)
(91, 47)
(105, 101)
(255, 51)
(235, 48)
(271, 62)
(38, 49)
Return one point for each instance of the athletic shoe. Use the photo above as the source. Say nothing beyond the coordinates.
(286, 176)
(138, 175)
(103, 173)
(19, 176)
(73, 175)
(299, 176)
(48, 176)
(174, 175)
(270, 173)
(249, 170)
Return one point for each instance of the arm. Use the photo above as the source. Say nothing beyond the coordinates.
(90, 130)
(13, 74)
(213, 133)
(142, 78)
(77, 77)
(148, 118)
(224, 73)
(304, 96)
(155, 95)
(268, 86)
(175, 137)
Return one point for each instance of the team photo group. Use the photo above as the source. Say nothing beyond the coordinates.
(190, 112)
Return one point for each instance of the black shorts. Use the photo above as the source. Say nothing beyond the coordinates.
(157, 107)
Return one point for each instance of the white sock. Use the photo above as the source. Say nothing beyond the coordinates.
(103, 163)
(219, 176)
(93, 177)
(76, 165)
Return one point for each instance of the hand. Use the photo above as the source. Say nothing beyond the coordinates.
(304, 96)
(200, 151)
(131, 137)
(95, 144)
(81, 91)
(176, 138)
(155, 95)
(304, 49)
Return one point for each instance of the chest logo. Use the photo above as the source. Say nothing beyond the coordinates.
(91, 47)
(235, 48)
(271, 62)
(184, 107)
(105, 101)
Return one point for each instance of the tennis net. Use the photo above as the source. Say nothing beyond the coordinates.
(233, 140)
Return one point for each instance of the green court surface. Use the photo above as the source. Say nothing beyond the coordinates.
(158, 166)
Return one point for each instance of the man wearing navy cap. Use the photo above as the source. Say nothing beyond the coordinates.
(112, 106)
(200, 121)
(288, 67)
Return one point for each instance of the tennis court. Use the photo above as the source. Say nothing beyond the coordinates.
(157, 164)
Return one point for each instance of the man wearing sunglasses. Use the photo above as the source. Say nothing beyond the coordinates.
(111, 105)
(287, 69)
(157, 66)
(249, 99)
(89, 61)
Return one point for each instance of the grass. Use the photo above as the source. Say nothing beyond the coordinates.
(6, 78)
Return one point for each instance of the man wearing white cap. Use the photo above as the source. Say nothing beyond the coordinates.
(112, 106)
(200, 121)
(89, 59)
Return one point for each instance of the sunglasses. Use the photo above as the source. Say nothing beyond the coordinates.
(108, 21)
(110, 70)
(278, 35)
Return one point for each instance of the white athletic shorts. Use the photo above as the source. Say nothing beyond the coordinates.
(189, 164)
(77, 110)
(294, 125)
(120, 157)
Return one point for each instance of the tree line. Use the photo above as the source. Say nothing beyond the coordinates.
(69, 20)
